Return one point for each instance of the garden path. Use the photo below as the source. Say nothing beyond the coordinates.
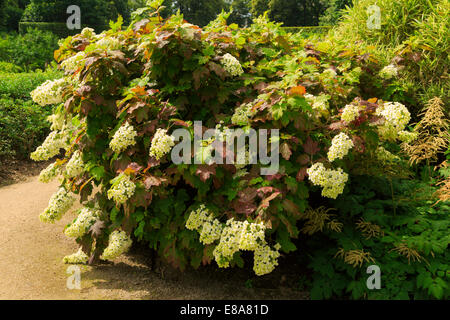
(31, 265)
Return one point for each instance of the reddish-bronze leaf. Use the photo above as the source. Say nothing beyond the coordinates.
(205, 171)
(285, 151)
(311, 147)
(301, 174)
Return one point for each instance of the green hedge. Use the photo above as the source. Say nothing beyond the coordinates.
(23, 127)
(308, 29)
(19, 85)
(58, 28)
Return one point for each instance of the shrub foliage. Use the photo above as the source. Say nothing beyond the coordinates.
(126, 90)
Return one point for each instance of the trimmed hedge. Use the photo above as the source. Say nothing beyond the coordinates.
(308, 29)
(58, 28)
(23, 127)
(19, 85)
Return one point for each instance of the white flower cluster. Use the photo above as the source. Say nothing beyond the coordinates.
(239, 235)
(49, 173)
(235, 236)
(54, 142)
(58, 205)
(252, 236)
(385, 156)
(242, 115)
(329, 73)
(162, 143)
(350, 113)
(222, 132)
(229, 243)
(332, 181)
(57, 120)
(265, 259)
(88, 32)
(108, 43)
(389, 72)
(86, 218)
(232, 65)
(119, 243)
(75, 166)
(396, 117)
(77, 258)
(204, 154)
(407, 136)
(123, 138)
(122, 189)
(340, 145)
(203, 221)
(50, 92)
(319, 103)
(74, 62)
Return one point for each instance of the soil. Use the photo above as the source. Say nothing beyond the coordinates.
(31, 262)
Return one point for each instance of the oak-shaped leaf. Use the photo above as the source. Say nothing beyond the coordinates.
(205, 171)
(96, 229)
(311, 147)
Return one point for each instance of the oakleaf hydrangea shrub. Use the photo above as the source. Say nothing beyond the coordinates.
(125, 91)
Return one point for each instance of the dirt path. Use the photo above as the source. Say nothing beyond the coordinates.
(31, 265)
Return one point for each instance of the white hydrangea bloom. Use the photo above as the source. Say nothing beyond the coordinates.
(74, 62)
(407, 136)
(232, 65)
(49, 173)
(329, 73)
(242, 115)
(252, 236)
(197, 218)
(318, 103)
(108, 43)
(122, 189)
(75, 166)
(340, 145)
(123, 138)
(88, 32)
(389, 72)
(350, 113)
(211, 231)
(57, 120)
(58, 205)
(51, 147)
(332, 181)
(229, 243)
(265, 259)
(119, 243)
(77, 258)
(86, 218)
(396, 117)
(203, 221)
(336, 180)
(162, 143)
(50, 92)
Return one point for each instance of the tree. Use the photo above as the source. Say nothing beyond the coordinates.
(10, 13)
(334, 11)
(241, 12)
(199, 12)
(93, 12)
(258, 7)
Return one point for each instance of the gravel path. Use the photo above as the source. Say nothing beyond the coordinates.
(31, 265)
